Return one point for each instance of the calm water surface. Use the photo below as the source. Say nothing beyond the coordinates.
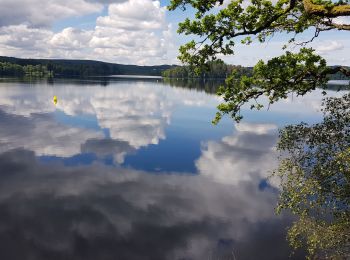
(133, 169)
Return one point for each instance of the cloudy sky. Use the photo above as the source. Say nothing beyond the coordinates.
(121, 31)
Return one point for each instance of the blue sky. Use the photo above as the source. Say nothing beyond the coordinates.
(124, 31)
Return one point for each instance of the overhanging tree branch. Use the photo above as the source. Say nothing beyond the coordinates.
(336, 69)
(326, 11)
(290, 73)
(267, 23)
(344, 27)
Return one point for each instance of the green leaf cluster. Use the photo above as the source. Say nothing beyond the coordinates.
(10, 69)
(214, 70)
(296, 73)
(315, 181)
(218, 29)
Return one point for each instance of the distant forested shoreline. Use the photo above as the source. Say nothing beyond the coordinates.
(15, 70)
(216, 70)
(16, 67)
(11, 66)
(219, 70)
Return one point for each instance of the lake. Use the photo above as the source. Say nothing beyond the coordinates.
(132, 168)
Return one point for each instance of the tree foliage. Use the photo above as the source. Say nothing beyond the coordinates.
(84, 68)
(215, 70)
(10, 69)
(315, 175)
(218, 30)
(315, 181)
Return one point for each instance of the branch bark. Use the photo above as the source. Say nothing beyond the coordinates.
(267, 23)
(333, 70)
(324, 11)
(344, 27)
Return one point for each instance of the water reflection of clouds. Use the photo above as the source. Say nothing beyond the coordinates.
(42, 134)
(134, 113)
(246, 156)
(105, 147)
(99, 212)
(300, 105)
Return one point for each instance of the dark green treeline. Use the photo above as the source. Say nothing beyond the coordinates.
(76, 68)
(215, 70)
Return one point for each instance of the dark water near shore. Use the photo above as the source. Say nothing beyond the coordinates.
(133, 169)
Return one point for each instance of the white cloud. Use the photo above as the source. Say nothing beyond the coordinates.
(43, 13)
(27, 42)
(134, 15)
(133, 32)
(71, 38)
(329, 46)
(23, 39)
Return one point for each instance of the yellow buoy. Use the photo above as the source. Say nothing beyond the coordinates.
(54, 100)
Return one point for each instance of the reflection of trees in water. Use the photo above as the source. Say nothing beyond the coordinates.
(209, 86)
(212, 85)
(315, 175)
(338, 87)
